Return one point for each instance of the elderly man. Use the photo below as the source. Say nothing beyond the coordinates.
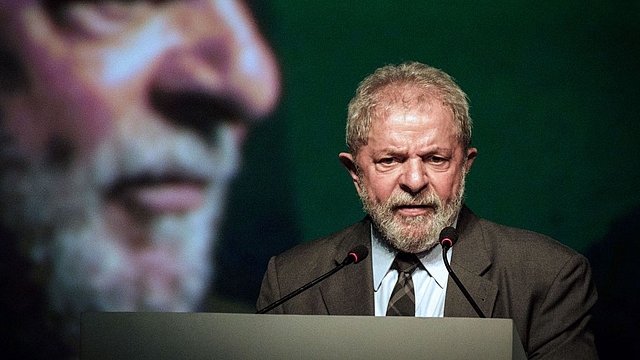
(409, 139)
(122, 124)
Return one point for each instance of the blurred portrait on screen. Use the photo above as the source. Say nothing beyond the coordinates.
(122, 125)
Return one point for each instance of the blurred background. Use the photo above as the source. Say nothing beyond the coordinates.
(553, 88)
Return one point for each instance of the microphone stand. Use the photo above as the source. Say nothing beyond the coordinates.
(303, 288)
(459, 283)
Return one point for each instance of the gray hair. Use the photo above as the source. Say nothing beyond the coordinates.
(436, 84)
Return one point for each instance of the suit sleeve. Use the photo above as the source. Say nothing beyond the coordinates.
(561, 327)
(270, 290)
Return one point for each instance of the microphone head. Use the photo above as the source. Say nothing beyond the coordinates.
(356, 255)
(448, 237)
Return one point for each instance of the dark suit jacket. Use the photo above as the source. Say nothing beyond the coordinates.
(544, 286)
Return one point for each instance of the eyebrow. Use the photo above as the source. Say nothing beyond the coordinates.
(437, 150)
(447, 151)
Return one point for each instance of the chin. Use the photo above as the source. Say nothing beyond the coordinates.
(95, 269)
(413, 240)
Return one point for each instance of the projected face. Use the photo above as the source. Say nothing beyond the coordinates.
(122, 123)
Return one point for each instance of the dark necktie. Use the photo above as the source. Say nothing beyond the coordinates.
(403, 298)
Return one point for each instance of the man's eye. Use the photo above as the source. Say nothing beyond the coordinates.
(437, 159)
(102, 18)
(386, 161)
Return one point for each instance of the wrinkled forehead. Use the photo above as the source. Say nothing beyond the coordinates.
(405, 97)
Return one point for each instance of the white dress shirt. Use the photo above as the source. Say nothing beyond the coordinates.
(430, 282)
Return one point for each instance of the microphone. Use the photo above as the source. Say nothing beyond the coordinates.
(448, 237)
(354, 256)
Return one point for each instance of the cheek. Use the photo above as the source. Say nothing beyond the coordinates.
(446, 186)
(380, 188)
(71, 99)
(35, 120)
(75, 92)
(26, 134)
(89, 115)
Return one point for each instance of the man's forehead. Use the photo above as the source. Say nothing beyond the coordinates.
(406, 94)
(398, 99)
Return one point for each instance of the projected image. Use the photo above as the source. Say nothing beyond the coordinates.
(123, 125)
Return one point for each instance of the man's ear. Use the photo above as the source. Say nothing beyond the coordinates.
(471, 156)
(349, 163)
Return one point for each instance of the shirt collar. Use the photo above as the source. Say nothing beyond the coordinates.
(382, 257)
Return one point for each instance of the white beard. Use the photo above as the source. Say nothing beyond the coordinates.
(412, 234)
(92, 270)
(60, 216)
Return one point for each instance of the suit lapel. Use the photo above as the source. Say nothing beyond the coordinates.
(350, 290)
(469, 261)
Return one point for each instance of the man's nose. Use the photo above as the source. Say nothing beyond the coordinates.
(414, 178)
(221, 68)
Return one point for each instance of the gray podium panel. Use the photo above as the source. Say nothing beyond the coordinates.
(113, 335)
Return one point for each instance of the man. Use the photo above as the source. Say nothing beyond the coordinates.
(409, 136)
(122, 124)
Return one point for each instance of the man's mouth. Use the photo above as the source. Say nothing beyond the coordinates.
(414, 210)
(153, 195)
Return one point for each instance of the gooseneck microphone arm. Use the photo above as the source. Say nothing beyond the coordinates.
(354, 256)
(448, 237)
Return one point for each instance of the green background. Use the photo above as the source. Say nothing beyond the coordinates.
(553, 87)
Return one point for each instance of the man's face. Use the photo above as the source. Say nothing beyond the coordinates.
(410, 175)
(119, 141)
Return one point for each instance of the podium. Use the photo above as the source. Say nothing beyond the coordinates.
(153, 335)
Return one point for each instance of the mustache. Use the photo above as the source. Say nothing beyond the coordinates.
(174, 159)
(426, 199)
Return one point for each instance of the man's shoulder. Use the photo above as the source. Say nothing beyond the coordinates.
(330, 245)
(521, 238)
(510, 238)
